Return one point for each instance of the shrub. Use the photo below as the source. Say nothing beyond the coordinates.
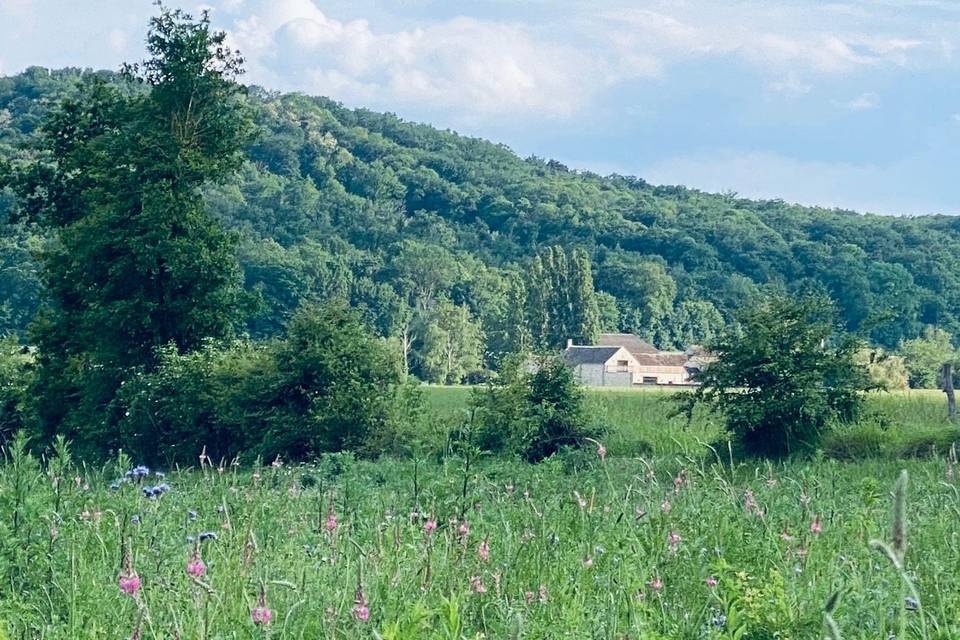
(783, 376)
(334, 386)
(16, 364)
(533, 411)
(197, 400)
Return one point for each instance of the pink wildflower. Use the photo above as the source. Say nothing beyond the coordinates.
(196, 566)
(711, 581)
(484, 551)
(602, 452)
(130, 584)
(361, 610)
(816, 526)
(665, 506)
(673, 540)
(331, 524)
(543, 594)
(476, 584)
(430, 526)
(528, 596)
(464, 529)
(656, 584)
(261, 614)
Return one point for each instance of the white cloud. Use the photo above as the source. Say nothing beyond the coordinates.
(863, 102)
(874, 188)
(117, 40)
(477, 67)
(769, 36)
(14, 7)
(791, 84)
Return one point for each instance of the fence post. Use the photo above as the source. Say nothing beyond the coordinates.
(948, 389)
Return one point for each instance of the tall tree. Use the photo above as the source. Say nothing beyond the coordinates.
(137, 262)
(584, 324)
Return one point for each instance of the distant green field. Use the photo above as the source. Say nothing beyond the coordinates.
(639, 421)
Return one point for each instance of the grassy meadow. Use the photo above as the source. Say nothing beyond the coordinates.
(661, 538)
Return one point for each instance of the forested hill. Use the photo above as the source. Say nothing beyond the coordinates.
(425, 230)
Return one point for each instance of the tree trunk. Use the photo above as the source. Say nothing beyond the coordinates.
(948, 389)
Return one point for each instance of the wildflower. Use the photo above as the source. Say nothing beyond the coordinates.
(602, 452)
(360, 611)
(129, 583)
(260, 614)
(196, 566)
(771, 482)
(816, 527)
(484, 550)
(543, 593)
(54, 532)
(785, 535)
(656, 584)
(949, 472)
(680, 481)
(464, 529)
(277, 463)
(588, 562)
(430, 526)
(673, 541)
(711, 581)
(331, 523)
(528, 596)
(509, 488)
(665, 506)
(476, 584)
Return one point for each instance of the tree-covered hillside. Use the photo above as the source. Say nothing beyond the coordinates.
(433, 236)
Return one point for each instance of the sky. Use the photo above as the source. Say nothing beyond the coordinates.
(852, 104)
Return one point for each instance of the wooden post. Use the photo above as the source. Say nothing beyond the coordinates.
(948, 389)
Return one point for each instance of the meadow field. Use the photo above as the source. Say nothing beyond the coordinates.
(661, 536)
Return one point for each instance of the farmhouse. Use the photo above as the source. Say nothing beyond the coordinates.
(625, 360)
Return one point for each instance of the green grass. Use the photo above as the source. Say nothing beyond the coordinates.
(595, 534)
(639, 422)
(599, 557)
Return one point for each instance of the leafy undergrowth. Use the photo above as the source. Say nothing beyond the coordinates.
(665, 547)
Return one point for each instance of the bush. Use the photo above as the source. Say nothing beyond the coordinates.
(334, 388)
(533, 412)
(208, 398)
(784, 375)
(16, 363)
(329, 386)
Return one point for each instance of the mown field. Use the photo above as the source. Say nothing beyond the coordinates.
(662, 538)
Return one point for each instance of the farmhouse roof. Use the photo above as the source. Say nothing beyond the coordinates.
(662, 359)
(577, 355)
(628, 341)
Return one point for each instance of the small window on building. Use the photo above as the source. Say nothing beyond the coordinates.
(649, 379)
(623, 365)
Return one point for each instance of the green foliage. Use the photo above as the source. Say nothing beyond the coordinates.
(333, 389)
(209, 399)
(887, 371)
(534, 410)
(16, 364)
(400, 215)
(135, 261)
(783, 377)
(924, 357)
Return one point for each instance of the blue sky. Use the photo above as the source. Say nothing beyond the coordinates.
(851, 103)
